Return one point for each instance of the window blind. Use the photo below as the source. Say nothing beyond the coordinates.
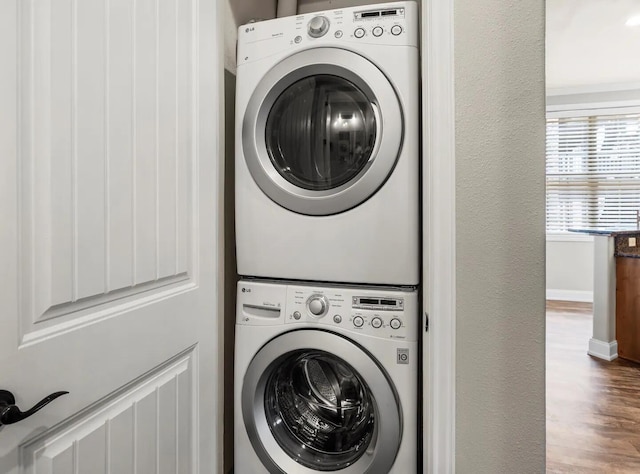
(593, 172)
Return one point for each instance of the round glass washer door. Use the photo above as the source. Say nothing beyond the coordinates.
(308, 410)
(317, 137)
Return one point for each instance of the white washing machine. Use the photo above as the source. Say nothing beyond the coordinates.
(325, 379)
(327, 152)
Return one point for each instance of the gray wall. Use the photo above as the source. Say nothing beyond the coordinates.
(500, 131)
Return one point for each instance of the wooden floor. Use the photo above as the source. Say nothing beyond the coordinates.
(593, 406)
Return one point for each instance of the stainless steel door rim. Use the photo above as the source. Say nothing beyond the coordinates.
(383, 448)
(389, 134)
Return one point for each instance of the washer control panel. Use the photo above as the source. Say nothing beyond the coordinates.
(384, 313)
(393, 24)
(381, 313)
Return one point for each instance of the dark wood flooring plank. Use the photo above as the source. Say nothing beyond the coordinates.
(593, 406)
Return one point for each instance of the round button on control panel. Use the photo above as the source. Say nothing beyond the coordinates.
(318, 305)
(318, 26)
(358, 321)
(337, 319)
(395, 323)
(376, 322)
(359, 33)
(297, 315)
(377, 31)
(396, 30)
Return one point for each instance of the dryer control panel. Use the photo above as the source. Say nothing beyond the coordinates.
(384, 313)
(392, 24)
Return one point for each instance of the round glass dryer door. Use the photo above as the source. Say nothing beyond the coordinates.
(307, 410)
(322, 131)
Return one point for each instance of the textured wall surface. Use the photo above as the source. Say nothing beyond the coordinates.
(500, 244)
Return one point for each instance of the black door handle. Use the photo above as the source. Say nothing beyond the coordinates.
(10, 413)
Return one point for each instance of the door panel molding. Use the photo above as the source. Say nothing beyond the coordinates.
(156, 411)
(71, 200)
(107, 99)
(91, 312)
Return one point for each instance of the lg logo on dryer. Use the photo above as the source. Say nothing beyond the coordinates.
(403, 356)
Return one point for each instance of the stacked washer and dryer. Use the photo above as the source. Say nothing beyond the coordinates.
(327, 240)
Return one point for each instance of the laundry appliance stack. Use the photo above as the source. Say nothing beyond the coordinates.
(327, 240)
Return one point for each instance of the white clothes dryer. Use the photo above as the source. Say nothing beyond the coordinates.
(326, 379)
(327, 146)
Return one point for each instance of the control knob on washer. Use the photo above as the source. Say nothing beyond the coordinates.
(318, 305)
(318, 26)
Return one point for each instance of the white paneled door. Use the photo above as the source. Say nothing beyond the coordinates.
(109, 185)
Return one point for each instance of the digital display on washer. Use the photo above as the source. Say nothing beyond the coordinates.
(384, 304)
(369, 301)
(378, 13)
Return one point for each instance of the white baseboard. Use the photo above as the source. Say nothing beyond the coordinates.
(603, 350)
(570, 295)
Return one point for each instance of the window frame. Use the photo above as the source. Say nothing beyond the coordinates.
(589, 101)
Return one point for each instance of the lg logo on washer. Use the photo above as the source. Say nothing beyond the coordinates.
(403, 356)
